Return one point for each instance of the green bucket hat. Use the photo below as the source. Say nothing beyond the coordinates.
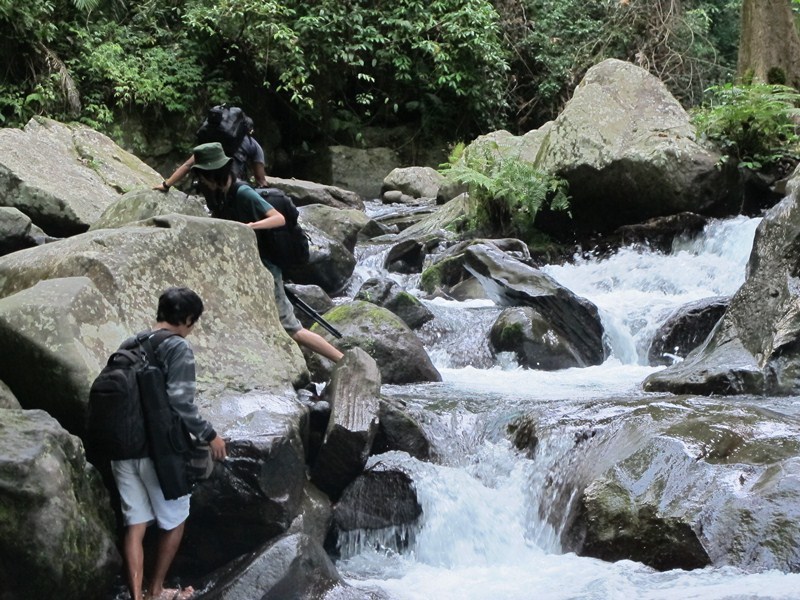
(210, 157)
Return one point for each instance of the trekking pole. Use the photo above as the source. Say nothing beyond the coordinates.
(311, 313)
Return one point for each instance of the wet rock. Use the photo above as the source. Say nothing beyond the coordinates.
(399, 431)
(536, 344)
(685, 329)
(258, 492)
(524, 437)
(448, 269)
(682, 484)
(405, 257)
(754, 348)
(399, 353)
(353, 396)
(291, 566)
(316, 514)
(57, 536)
(389, 295)
(377, 499)
(620, 529)
(509, 282)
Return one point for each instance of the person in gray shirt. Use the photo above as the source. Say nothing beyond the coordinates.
(141, 496)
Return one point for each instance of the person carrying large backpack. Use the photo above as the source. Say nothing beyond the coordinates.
(236, 129)
(228, 199)
(137, 479)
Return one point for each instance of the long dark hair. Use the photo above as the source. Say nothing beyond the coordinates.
(215, 199)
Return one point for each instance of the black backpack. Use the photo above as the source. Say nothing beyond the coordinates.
(286, 246)
(116, 425)
(226, 125)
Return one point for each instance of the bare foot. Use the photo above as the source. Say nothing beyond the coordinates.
(173, 594)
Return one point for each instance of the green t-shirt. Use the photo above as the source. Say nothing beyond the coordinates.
(244, 204)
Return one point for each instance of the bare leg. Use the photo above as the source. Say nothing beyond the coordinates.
(134, 558)
(318, 344)
(168, 544)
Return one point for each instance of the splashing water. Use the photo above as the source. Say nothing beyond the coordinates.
(493, 518)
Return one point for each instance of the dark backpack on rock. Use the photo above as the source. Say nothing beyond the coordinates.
(226, 125)
(116, 425)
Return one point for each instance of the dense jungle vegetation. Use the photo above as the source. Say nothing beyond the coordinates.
(330, 69)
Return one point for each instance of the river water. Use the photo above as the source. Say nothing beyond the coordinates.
(493, 518)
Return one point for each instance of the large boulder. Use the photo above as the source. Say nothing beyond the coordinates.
(572, 319)
(415, 182)
(307, 192)
(64, 176)
(754, 348)
(57, 535)
(628, 150)
(692, 484)
(629, 153)
(142, 204)
(400, 355)
(65, 306)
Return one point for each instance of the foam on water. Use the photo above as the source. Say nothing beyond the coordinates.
(492, 518)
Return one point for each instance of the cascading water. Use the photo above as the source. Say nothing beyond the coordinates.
(493, 518)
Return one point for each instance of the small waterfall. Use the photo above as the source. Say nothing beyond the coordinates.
(494, 516)
(637, 290)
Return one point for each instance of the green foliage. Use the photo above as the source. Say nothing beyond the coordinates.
(755, 124)
(509, 191)
(141, 70)
(441, 60)
(688, 45)
(450, 68)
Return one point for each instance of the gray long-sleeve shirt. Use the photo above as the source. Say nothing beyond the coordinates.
(177, 359)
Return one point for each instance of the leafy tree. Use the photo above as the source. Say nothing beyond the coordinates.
(440, 61)
(689, 45)
(769, 49)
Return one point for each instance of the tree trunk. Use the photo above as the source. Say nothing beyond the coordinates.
(769, 46)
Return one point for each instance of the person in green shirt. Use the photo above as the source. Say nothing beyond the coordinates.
(228, 200)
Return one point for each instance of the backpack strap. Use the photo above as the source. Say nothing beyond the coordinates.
(150, 340)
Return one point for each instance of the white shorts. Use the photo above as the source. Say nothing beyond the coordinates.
(142, 498)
